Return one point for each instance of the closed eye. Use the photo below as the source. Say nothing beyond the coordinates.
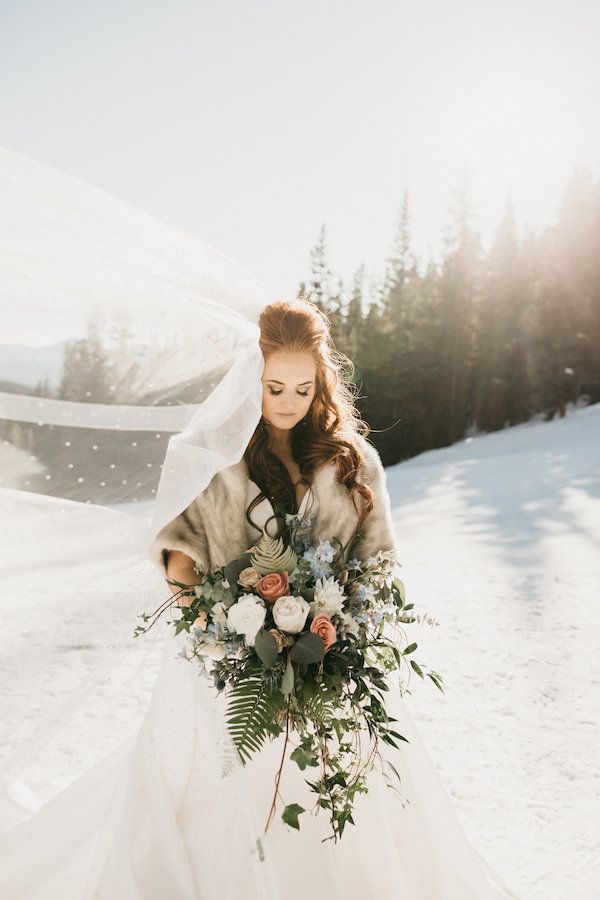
(277, 393)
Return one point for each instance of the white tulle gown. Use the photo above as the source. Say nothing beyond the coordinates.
(169, 814)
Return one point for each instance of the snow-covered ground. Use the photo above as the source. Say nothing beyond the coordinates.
(499, 538)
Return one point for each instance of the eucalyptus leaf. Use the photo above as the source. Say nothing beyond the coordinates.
(399, 585)
(417, 668)
(308, 649)
(266, 648)
(232, 570)
(287, 682)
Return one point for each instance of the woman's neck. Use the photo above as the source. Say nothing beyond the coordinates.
(279, 441)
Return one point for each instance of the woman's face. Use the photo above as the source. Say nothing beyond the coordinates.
(288, 383)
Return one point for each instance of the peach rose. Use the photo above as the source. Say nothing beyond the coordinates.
(324, 627)
(273, 586)
(248, 577)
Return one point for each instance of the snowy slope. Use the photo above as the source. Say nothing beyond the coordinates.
(499, 538)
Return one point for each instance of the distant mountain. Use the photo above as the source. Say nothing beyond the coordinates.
(27, 365)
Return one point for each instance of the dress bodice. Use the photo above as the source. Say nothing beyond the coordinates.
(264, 510)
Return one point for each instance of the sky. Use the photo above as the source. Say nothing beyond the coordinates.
(250, 125)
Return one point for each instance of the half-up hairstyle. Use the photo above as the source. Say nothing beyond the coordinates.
(322, 435)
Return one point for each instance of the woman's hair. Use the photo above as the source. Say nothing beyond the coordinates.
(301, 326)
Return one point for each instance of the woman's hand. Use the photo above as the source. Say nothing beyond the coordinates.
(180, 567)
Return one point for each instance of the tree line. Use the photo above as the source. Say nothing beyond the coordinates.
(479, 341)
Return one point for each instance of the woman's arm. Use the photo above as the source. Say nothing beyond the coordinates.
(181, 543)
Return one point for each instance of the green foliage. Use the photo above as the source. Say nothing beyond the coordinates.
(250, 710)
(290, 815)
(287, 682)
(232, 570)
(266, 648)
(309, 648)
(304, 758)
(417, 668)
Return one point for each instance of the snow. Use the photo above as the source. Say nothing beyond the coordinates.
(498, 537)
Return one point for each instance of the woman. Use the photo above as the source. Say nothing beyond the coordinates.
(308, 456)
(172, 812)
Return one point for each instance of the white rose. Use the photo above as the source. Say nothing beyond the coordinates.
(290, 614)
(247, 616)
(328, 597)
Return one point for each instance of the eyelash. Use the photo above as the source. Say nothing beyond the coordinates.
(277, 393)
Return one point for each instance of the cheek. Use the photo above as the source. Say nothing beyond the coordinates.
(306, 401)
(267, 402)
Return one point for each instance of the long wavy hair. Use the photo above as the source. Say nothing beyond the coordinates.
(322, 435)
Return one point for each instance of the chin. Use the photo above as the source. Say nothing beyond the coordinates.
(283, 422)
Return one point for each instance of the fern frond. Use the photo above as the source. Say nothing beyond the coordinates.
(250, 710)
(321, 703)
(272, 555)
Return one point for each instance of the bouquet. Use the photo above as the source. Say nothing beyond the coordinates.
(297, 639)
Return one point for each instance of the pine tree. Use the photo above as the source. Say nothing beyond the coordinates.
(459, 286)
(501, 388)
(320, 278)
(566, 313)
(84, 375)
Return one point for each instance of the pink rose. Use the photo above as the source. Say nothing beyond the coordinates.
(273, 586)
(324, 627)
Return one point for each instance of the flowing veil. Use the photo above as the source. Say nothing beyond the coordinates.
(130, 376)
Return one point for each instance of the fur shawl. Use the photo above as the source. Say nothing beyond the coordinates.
(212, 529)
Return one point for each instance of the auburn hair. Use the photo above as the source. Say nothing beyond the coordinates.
(322, 435)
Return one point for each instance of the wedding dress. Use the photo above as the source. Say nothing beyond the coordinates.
(111, 791)
(169, 814)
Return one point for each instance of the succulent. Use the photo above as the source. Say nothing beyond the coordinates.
(272, 555)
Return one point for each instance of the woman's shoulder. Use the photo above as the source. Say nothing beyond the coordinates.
(373, 466)
(227, 484)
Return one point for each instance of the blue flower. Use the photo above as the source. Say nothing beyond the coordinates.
(320, 567)
(325, 551)
(360, 594)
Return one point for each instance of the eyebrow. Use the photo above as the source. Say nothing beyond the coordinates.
(274, 381)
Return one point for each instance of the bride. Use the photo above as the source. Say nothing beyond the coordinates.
(163, 817)
(169, 811)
